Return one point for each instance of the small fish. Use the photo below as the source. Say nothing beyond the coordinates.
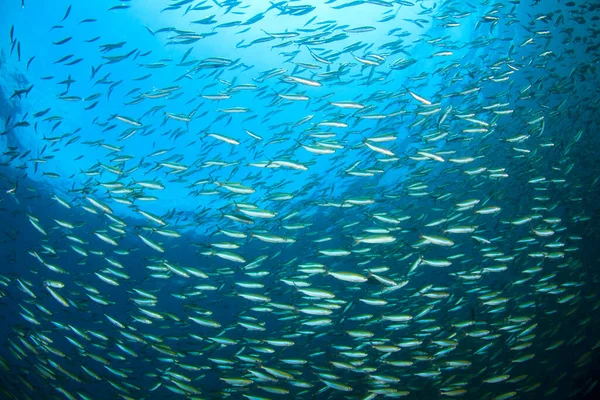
(67, 13)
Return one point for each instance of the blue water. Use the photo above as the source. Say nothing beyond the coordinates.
(200, 191)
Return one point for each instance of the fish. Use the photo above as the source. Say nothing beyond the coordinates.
(342, 199)
(66, 13)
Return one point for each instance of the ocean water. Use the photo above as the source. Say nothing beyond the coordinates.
(320, 199)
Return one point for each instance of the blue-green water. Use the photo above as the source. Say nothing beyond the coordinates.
(337, 200)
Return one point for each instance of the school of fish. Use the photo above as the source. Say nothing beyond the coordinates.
(262, 199)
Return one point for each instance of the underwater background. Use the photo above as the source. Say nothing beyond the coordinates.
(319, 199)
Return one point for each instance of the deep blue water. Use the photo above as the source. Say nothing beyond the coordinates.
(299, 196)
